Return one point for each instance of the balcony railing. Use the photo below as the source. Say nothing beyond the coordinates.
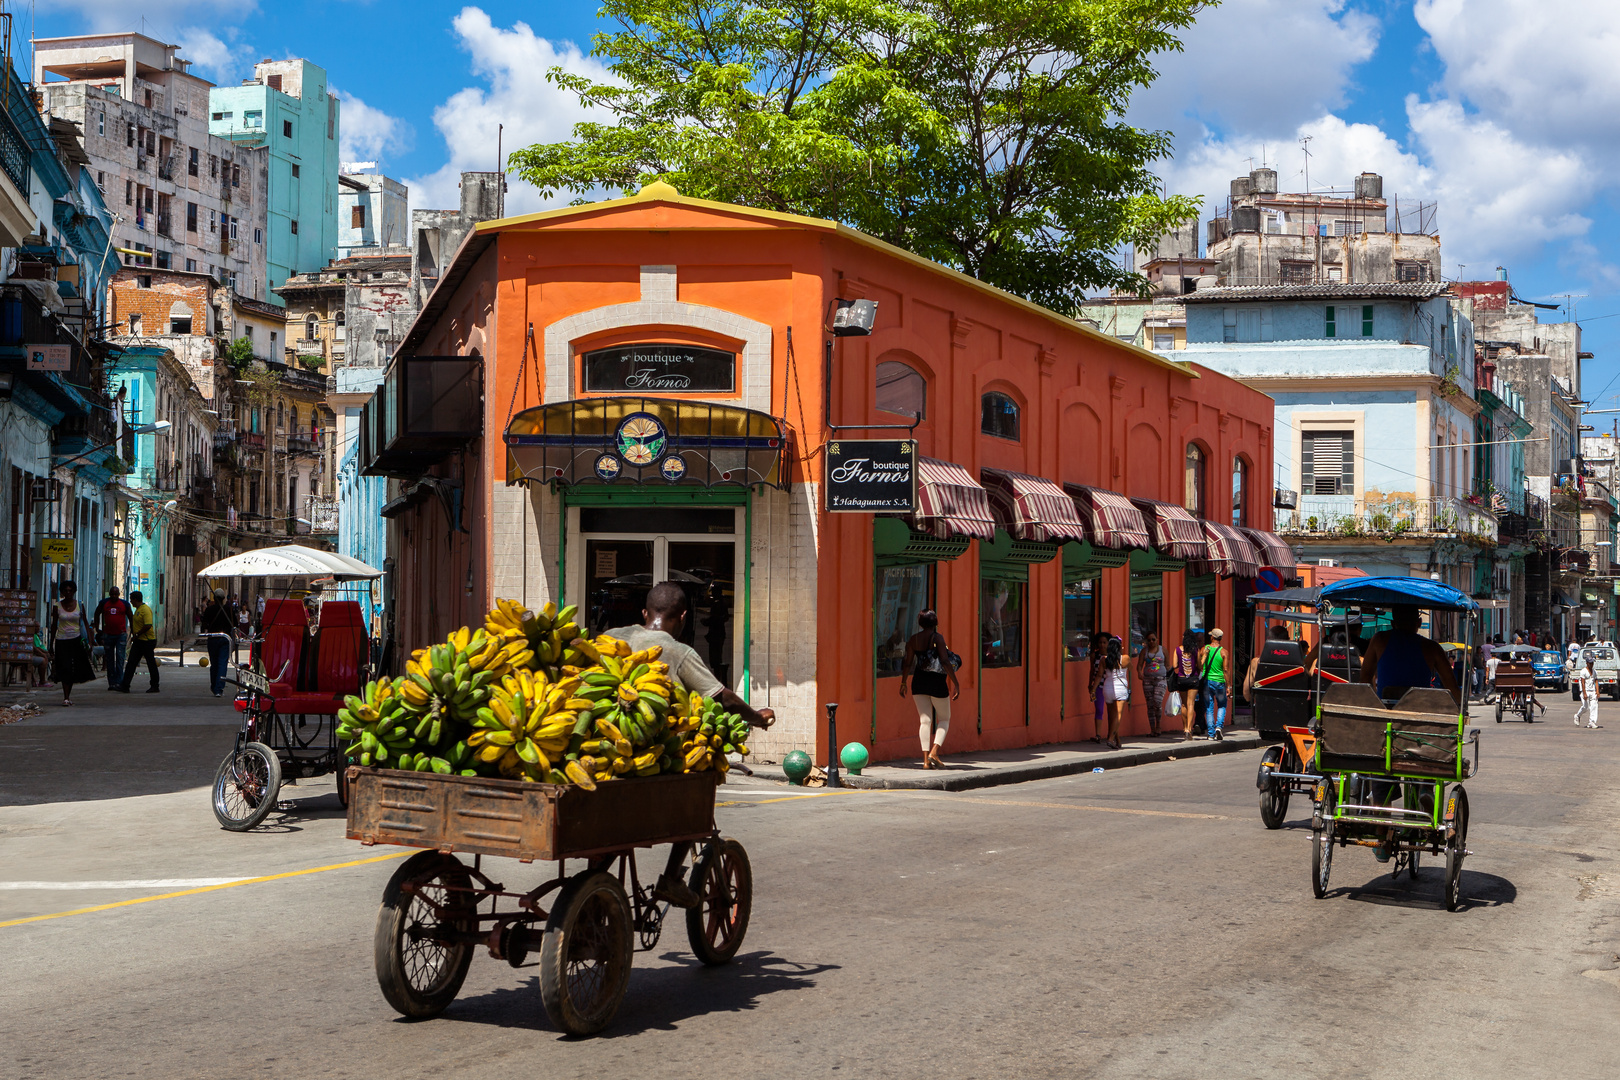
(252, 440)
(14, 152)
(1349, 516)
(303, 444)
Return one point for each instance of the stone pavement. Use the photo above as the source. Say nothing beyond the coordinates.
(991, 768)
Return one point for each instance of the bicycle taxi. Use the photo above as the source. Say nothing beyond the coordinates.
(295, 682)
(1515, 681)
(1392, 769)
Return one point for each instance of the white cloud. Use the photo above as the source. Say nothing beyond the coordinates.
(514, 63)
(366, 133)
(213, 58)
(1237, 70)
(161, 17)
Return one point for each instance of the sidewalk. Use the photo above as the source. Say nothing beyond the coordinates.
(992, 768)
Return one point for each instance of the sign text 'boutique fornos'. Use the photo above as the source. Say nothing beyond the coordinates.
(872, 476)
(660, 369)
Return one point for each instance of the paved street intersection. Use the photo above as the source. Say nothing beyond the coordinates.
(1140, 923)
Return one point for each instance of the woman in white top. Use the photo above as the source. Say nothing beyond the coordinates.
(70, 651)
(1116, 687)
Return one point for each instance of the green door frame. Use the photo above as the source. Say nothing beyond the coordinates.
(648, 495)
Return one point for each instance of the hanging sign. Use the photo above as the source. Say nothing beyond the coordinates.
(872, 476)
(660, 369)
(56, 549)
(50, 357)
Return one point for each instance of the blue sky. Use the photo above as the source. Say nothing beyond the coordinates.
(1505, 112)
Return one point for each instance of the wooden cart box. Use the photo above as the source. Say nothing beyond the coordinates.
(523, 820)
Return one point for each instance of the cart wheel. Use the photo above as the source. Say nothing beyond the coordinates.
(1456, 848)
(1273, 792)
(1322, 842)
(343, 784)
(420, 976)
(585, 957)
(724, 882)
(1412, 867)
(246, 785)
(1501, 707)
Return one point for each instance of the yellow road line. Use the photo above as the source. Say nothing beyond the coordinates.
(208, 888)
(1059, 806)
(789, 798)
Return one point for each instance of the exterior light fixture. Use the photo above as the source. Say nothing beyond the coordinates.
(854, 318)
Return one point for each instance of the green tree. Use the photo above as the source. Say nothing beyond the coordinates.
(985, 134)
(239, 354)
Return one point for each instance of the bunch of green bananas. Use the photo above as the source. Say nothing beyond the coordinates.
(451, 680)
(707, 732)
(384, 728)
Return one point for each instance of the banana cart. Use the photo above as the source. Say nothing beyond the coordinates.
(1392, 770)
(437, 909)
(294, 684)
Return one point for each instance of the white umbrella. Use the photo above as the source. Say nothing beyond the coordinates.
(291, 560)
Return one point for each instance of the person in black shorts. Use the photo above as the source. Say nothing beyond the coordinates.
(932, 684)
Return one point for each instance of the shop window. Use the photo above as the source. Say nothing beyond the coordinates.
(1144, 620)
(1001, 622)
(901, 388)
(1200, 615)
(1193, 489)
(902, 594)
(1240, 492)
(999, 416)
(1079, 618)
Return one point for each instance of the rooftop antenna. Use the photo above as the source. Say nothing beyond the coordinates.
(1305, 144)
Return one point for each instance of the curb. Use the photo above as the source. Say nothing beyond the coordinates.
(1020, 774)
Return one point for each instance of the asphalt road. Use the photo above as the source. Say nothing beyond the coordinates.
(1137, 924)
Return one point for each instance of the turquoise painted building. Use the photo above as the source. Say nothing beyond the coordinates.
(288, 108)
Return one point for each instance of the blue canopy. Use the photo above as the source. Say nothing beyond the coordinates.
(1389, 591)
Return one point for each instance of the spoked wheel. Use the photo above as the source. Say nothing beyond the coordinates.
(1322, 844)
(724, 883)
(1501, 707)
(1273, 792)
(418, 971)
(246, 785)
(1456, 845)
(585, 958)
(1412, 866)
(1529, 708)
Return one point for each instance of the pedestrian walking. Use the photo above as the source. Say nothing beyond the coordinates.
(143, 644)
(1589, 695)
(1153, 673)
(70, 648)
(1183, 680)
(217, 624)
(1094, 685)
(929, 667)
(1116, 687)
(1212, 670)
(111, 625)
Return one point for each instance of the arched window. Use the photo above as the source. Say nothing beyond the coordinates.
(1193, 498)
(1240, 492)
(999, 416)
(312, 328)
(902, 389)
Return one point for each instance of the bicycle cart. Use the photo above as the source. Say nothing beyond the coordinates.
(585, 926)
(1515, 682)
(1284, 699)
(294, 684)
(1391, 774)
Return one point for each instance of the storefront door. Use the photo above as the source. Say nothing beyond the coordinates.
(698, 552)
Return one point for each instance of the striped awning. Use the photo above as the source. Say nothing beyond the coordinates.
(1175, 532)
(1272, 549)
(950, 502)
(1114, 522)
(1230, 553)
(1032, 507)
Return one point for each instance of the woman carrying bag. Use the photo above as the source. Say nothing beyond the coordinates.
(70, 653)
(930, 666)
(1116, 687)
(1184, 682)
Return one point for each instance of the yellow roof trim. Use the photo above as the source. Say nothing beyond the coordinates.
(661, 192)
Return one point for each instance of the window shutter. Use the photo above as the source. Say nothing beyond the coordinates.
(1328, 463)
(1331, 328)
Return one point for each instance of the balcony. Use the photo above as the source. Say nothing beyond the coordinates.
(165, 225)
(14, 153)
(1575, 561)
(1327, 516)
(426, 408)
(251, 440)
(303, 445)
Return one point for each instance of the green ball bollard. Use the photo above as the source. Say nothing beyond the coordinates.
(854, 757)
(797, 766)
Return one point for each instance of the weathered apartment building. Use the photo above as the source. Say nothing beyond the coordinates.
(191, 201)
(373, 214)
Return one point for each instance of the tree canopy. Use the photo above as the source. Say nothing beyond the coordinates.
(988, 135)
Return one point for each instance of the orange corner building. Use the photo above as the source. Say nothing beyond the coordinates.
(601, 397)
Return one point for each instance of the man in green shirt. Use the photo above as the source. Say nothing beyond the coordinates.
(143, 644)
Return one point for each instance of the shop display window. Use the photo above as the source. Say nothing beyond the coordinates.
(1079, 618)
(1144, 621)
(902, 594)
(1001, 622)
(1200, 613)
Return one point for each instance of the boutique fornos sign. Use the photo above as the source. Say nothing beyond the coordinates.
(872, 476)
(660, 369)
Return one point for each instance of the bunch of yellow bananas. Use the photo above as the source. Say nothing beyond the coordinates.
(527, 726)
(547, 633)
(452, 679)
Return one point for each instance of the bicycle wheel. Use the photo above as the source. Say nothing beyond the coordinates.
(724, 882)
(246, 785)
(1456, 845)
(419, 971)
(1322, 842)
(1273, 792)
(585, 957)
(1501, 707)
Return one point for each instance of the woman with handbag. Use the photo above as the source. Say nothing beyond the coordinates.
(1183, 681)
(1094, 685)
(930, 665)
(1116, 687)
(70, 655)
